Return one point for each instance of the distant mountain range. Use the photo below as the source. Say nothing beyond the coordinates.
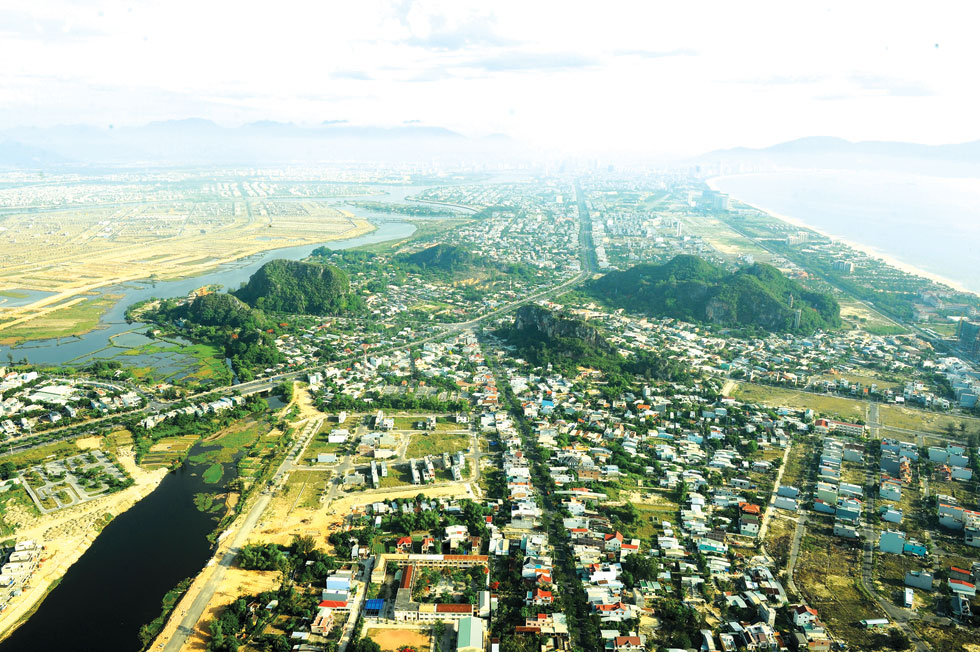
(830, 152)
(196, 141)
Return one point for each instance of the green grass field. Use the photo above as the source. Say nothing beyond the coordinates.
(935, 422)
(76, 319)
(825, 405)
(41, 453)
(319, 444)
(165, 451)
(650, 517)
(436, 443)
(14, 498)
(409, 423)
(828, 572)
(212, 475)
(311, 484)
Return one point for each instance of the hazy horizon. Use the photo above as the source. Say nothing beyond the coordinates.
(627, 78)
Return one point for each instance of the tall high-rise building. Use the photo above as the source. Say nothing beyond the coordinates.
(968, 334)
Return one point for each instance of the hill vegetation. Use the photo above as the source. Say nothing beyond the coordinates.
(443, 257)
(543, 337)
(239, 323)
(297, 287)
(444, 263)
(687, 287)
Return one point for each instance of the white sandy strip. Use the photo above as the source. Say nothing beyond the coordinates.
(871, 251)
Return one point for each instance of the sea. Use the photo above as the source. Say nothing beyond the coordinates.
(928, 223)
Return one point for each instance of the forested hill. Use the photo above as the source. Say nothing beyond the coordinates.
(292, 286)
(447, 258)
(543, 337)
(692, 289)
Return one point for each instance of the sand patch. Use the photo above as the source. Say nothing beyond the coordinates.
(393, 639)
(89, 443)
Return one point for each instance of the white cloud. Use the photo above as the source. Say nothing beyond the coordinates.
(658, 77)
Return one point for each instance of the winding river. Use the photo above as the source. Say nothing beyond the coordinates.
(116, 586)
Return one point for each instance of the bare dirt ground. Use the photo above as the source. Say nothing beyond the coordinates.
(88, 443)
(67, 534)
(304, 401)
(279, 524)
(236, 582)
(392, 639)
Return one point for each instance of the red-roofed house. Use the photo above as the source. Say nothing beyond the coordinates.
(804, 615)
(629, 547)
(961, 587)
(628, 643)
(960, 574)
(539, 597)
(609, 610)
(614, 542)
(339, 605)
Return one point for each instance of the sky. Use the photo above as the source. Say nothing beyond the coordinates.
(673, 78)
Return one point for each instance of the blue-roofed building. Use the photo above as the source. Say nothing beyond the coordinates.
(374, 608)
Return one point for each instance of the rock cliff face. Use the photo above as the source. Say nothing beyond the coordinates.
(544, 323)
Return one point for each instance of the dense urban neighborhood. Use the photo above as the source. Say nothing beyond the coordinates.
(566, 414)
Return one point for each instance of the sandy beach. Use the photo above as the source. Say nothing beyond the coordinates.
(867, 249)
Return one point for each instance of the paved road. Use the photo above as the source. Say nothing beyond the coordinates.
(772, 497)
(193, 615)
(794, 553)
(355, 610)
(874, 422)
(266, 384)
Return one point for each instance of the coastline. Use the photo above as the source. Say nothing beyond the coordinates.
(82, 528)
(888, 259)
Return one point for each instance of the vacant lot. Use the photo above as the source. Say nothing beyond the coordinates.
(312, 485)
(860, 315)
(75, 317)
(866, 377)
(828, 573)
(824, 404)
(164, 452)
(411, 422)
(650, 518)
(937, 422)
(66, 252)
(947, 639)
(395, 639)
(42, 453)
(436, 443)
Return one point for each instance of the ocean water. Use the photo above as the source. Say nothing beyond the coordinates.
(930, 223)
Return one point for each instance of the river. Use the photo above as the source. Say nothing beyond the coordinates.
(231, 275)
(116, 586)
